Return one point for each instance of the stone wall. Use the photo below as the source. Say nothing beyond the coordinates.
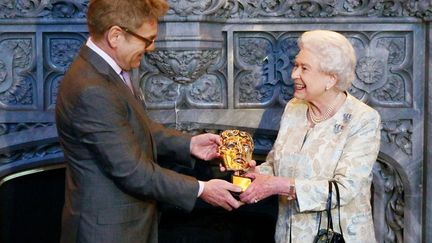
(226, 63)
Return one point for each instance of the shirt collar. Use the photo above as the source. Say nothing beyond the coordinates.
(105, 56)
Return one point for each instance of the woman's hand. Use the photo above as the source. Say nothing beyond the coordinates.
(263, 186)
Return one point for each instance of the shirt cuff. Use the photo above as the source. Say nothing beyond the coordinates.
(201, 188)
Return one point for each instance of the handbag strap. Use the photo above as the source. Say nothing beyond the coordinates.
(290, 229)
(328, 208)
(338, 205)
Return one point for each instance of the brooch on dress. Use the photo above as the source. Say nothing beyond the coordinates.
(347, 117)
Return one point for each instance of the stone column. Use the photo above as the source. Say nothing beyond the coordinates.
(427, 220)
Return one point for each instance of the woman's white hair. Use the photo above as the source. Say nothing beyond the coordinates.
(336, 54)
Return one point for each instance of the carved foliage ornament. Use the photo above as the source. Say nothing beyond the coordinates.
(382, 68)
(233, 8)
(398, 133)
(38, 152)
(264, 66)
(161, 92)
(62, 52)
(29, 153)
(393, 198)
(183, 67)
(264, 62)
(300, 9)
(176, 77)
(43, 8)
(6, 128)
(16, 85)
(206, 89)
(161, 89)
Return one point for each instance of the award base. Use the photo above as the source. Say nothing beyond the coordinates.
(240, 181)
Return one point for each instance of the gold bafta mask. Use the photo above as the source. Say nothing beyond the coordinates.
(237, 149)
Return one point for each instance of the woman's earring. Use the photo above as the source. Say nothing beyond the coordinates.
(326, 88)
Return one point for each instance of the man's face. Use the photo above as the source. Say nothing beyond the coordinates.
(131, 49)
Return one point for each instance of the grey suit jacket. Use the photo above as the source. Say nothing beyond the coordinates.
(110, 144)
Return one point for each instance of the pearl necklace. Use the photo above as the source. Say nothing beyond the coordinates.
(326, 115)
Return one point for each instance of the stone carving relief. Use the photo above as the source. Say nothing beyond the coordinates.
(6, 128)
(398, 133)
(160, 90)
(17, 83)
(38, 152)
(389, 191)
(63, 51)
(188, 7)
(384, 71)
(43, 8)
(263, 65)
(29, 153)
(206, 89)
(232, 8)
(60, 52)
(301, 9)
(174, 78)
(52, 91)
(183, 67)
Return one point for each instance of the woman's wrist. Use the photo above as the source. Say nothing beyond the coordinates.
(286, 187)
(291, 190)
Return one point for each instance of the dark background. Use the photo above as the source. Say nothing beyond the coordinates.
(30, 211)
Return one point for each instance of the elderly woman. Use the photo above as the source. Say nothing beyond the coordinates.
(325, 135)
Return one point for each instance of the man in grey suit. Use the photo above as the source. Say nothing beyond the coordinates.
(111, 146)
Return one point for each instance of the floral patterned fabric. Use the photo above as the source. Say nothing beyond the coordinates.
(342, 148)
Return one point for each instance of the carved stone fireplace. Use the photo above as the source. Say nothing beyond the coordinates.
(226, 64)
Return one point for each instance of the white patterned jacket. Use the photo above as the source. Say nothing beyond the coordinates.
(342, 148)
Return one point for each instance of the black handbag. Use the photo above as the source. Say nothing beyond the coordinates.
(329, 235)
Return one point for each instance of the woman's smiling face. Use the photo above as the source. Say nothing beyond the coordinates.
(309, 81)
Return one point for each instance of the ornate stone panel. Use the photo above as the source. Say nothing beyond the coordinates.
(60, 49)
(7, 128)
(263, 63)
(34, 153)
(43, 9)
(389, 202)
(398, 133)
(17, 73)
(301, 9)
(384, 69)
(184, 78)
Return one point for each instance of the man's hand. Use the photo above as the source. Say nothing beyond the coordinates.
(205, 146)
(217, 193)
(252, 166)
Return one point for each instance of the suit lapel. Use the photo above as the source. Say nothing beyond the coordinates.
(105, 69)
(101, 66)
